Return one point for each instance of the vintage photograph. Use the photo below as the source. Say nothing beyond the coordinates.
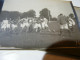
(29, 24)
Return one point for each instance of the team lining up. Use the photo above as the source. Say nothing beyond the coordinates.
(32, 24)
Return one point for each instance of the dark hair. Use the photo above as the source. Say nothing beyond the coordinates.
(61, 14)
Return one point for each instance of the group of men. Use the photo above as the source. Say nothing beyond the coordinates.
(27, 24)
(36, 24)
(66, 23)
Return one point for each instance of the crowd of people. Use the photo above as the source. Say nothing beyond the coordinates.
(66, 23)
(28, 24)
(36, 24)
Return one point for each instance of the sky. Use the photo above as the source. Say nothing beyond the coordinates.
(55, 7)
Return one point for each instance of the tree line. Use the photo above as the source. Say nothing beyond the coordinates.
(15, 15)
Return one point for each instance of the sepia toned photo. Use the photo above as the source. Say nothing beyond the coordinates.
(36, 24)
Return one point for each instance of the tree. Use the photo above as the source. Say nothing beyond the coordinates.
(30, 13)
(45, 13)
(54, 19)
(14, 15)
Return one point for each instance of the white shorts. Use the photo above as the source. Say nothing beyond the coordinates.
(64, 26)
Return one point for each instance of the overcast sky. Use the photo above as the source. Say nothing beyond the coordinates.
(55, 7)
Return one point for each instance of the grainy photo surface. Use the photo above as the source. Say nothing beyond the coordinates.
(29, 24)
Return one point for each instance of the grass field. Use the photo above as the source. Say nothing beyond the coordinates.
(41, 39)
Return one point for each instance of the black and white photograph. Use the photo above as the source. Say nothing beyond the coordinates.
(36, 24)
